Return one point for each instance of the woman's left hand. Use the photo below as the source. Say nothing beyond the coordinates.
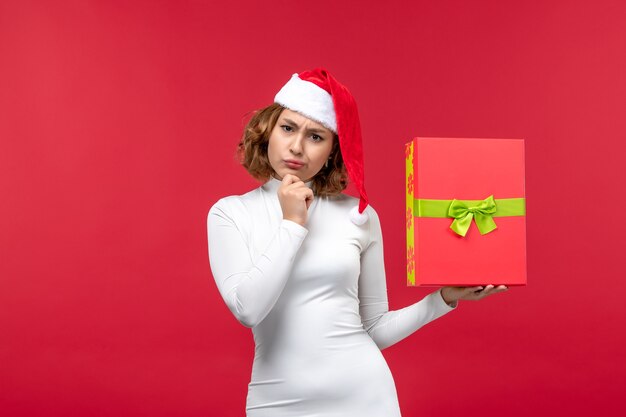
(451, 294)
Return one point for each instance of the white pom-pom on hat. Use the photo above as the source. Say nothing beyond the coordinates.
(358, 218)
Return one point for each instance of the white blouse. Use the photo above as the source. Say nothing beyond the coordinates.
(316, 300)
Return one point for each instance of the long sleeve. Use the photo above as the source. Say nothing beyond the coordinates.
(250, 287)
(384, 326)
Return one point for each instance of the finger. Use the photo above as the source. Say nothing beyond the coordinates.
(296, 184)
(286, 180)
(294, 187)
(308, 196)
(304, 194)
(289, 179)
(474, 290)
(499, 288)
(302, 191)
(481, 293)
(488, 289)
(308, 202)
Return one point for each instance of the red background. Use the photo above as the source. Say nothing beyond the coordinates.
(118, 124)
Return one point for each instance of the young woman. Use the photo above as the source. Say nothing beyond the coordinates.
(302, 264)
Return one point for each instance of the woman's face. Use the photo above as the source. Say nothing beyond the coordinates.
(298, 146)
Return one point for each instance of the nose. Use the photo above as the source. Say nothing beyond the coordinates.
(296, 145)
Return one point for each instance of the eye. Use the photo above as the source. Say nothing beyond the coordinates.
(286, 128)
(317, 138)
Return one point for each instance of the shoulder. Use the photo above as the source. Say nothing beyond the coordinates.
(234, 205)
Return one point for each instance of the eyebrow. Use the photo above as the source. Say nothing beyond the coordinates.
(310, 129)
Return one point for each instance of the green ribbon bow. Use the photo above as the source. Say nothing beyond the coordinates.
(481, 213)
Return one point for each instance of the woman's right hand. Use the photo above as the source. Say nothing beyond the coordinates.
(452, 294)
(295, 199)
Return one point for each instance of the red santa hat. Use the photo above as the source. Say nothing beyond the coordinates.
(319, 96)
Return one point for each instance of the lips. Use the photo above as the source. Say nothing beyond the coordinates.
(292, 163)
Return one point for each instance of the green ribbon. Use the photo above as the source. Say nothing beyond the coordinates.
(463, 211)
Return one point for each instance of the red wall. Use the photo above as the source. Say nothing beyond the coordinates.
(118, 124)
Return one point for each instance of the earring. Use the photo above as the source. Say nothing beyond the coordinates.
(326, 164)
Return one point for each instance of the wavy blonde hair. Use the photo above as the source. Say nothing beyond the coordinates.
(252, 154)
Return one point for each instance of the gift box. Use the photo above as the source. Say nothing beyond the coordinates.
(465, 212)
